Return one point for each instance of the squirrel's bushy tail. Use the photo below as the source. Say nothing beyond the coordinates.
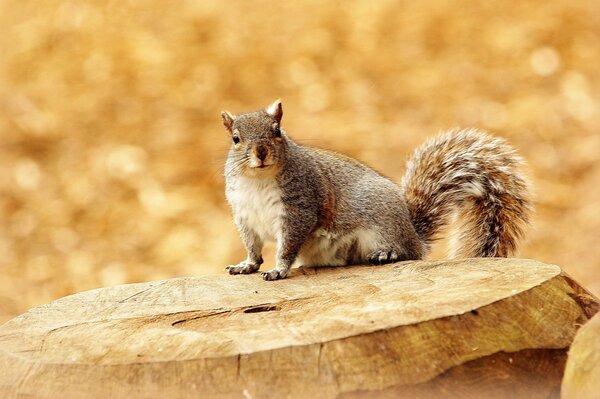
(476, 176)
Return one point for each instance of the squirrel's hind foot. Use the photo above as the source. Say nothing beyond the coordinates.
(383, 256)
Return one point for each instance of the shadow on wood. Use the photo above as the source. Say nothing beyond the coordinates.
(423, 329)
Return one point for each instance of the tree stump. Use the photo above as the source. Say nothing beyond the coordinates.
(420, 329)
(582, 375)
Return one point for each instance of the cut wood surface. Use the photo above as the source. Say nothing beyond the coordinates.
(582, 375)
(426, 329)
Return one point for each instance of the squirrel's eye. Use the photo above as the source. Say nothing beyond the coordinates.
(277, 132)
(236, 139)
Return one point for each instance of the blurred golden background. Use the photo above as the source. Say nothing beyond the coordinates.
(111, 143)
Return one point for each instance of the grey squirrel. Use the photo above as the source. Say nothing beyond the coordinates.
(324, 208)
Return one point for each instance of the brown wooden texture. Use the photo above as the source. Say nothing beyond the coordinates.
(529, 373)
(582, 374)
(427, 329)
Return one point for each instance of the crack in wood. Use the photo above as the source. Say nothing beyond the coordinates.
(199, 317)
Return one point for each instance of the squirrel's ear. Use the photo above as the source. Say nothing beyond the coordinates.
(275, 110)
(228, 119)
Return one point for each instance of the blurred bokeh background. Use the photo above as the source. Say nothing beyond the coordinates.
(111, 143)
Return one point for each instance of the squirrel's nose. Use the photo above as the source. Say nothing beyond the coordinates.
(261, 152)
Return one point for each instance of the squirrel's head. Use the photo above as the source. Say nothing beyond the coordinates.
(257, 141)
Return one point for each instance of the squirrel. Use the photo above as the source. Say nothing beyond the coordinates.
(326, 209)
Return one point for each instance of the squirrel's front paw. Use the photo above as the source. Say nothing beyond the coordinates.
(243, 268)
(273, 274)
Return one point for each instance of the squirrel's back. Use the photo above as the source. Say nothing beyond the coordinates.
(353, 197)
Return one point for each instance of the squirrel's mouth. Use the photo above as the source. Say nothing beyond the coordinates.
(262, 166)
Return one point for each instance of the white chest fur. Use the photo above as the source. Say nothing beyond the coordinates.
(256, 204)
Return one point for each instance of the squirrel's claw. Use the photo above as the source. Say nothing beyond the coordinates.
(273, 274)
(242, 268)
(382, 257)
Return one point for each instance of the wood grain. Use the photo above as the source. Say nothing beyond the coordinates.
(324, 332)
(582, 374)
